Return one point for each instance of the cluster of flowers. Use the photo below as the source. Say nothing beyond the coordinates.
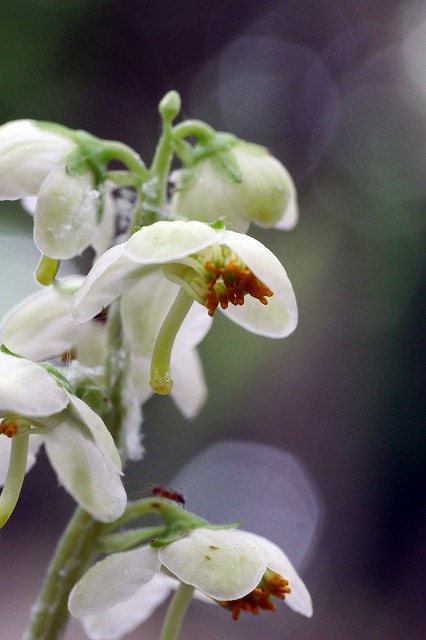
(164, 284)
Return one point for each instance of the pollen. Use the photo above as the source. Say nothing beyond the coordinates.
(9, 427)
(259, 598)
(229, 284)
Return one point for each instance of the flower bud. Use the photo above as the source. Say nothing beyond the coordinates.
(66, 214)
(265, 194)
(28, 153)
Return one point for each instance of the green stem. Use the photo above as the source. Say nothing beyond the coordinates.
(176, 612)
(197, 128)
(153, 193)
(161, 381)
(72, 556)
(15, 476)
(118, 151)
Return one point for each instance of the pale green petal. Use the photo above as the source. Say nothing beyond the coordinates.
(112, 274)
(66, 214)
(103, 237)
(278, 318)
(41, 326)
(224, 564)
(85, 471)
(299, 599)
(26, 389)
(113, 580)
(82, 412)
(189, 391)
(90, 342)
(166, 241)
(143, 309)
(125, 616)
(290, 215)
(27, 155)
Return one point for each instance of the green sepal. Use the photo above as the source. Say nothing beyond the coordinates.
(95, 396)
(59, 377)
(123, 540)
(226, 166)
(218, 224)
(8, 352)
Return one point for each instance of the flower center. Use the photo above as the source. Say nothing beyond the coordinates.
(271, 585)
(217, 276)
(12, 425)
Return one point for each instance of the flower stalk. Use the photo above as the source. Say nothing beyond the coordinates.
(176, 612)
(15, 476)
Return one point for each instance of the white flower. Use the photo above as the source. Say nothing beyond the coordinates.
(33, 164)
(265, 194)
(214, 267)
(239, 570)
(77, 442)
(42, 327)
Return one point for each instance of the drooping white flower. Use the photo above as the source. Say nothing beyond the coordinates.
(239, 570)
(33, 164)
(214, 267)
(77, 442)
(42, 327)
(264, 194)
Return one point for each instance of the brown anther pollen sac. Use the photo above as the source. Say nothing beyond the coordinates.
(259, 598)
(8, 427)
(236, 281)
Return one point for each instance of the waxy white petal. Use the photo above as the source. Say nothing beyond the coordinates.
(113, 580)
(189, 391)
(112, 274)
(27, 155)
(166, 241)
(97, 428)
(26, 389)
(299, 599)
(278, 318)
(125, 616)
(66, 214)
(85, 471)
(224, 564)
(42, 326)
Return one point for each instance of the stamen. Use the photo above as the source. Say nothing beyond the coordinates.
(9, 427)
(260, 597)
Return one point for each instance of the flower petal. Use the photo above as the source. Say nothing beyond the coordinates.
(97, 428)
(279, 317)
(113, 580)
(166, 241)
(224, 564)
(85, 471)
(125, 616)
(108, 278)
(299, 599)
(27, 155)
(42, 326)
(189, 390)
(66, 213)
(26, 389)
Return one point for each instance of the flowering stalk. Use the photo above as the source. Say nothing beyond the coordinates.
(72, 556)
(176, 612)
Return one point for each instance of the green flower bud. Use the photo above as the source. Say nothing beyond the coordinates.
(263, 193)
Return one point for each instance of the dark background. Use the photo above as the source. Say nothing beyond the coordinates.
(337, 90)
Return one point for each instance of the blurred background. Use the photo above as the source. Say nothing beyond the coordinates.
(337, 91)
